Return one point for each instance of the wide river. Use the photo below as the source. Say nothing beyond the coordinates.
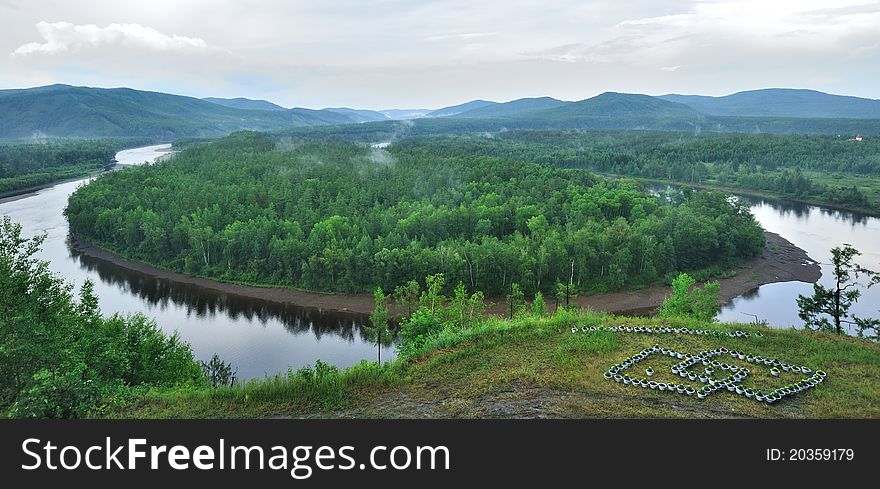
(263, 338)
(258, 337)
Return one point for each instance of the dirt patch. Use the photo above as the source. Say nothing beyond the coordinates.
(781, 261)
(521, 400)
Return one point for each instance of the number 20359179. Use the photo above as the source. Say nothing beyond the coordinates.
(810, 454)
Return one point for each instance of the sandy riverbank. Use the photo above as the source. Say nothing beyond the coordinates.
(781, 261)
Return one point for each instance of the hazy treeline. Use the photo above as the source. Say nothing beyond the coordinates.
(24, 165)
(775, 163)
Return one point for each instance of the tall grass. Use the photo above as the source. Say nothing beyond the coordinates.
(323, 387)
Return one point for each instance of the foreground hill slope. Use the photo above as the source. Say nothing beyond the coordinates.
(535, 367)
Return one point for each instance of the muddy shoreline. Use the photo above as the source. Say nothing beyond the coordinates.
(781, 261)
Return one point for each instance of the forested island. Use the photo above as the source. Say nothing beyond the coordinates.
(346, 217)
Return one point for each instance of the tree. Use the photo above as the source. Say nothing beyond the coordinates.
(458, 306)
(407, 296)
(58, 356)
(539, 307)
(218, 372)
(378, 330)
(870, 324)
(828, 308)
(689, 301)
(433, 297)
(515, 300)
(560, 294)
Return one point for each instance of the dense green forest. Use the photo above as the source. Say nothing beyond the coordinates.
(24, 165)
(345, 217)
(827, 169)
(830, 170)
(59, 357)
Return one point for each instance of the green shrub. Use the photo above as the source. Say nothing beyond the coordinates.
(58, 356)
(418, 328)
(692, 302)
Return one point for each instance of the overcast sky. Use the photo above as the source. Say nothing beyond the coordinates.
(420, 54)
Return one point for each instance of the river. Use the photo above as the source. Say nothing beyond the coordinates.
(816, 230)
(263, 338)
(258, 337)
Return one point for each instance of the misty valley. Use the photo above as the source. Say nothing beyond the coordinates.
(229, 258)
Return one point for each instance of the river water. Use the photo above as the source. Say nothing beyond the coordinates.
(816, 230)
(263, 338)
(258, 337)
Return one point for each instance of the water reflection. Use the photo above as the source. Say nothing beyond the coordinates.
(816, 230)
(203, 302)
(800, 210)
(258, 337)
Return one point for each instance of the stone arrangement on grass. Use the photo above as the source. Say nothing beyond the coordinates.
(668, 330)
(715, 375)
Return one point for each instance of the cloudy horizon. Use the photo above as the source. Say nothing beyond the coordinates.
(416, 54)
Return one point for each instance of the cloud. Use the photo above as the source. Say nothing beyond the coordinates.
(460, 37)
(421, 53)
(623, 48)
(713, 34)
(64, 37)
(678, 19)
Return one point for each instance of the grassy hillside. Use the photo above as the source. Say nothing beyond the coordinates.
(782, 102)
(61, 110)
(536, 367)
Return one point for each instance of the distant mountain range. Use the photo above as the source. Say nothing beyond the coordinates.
(245, 103)
(512, 108)
(770, 102)
(361, 115)
(782, 102)
(68, 111)
(460, 109)
(405, 114)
